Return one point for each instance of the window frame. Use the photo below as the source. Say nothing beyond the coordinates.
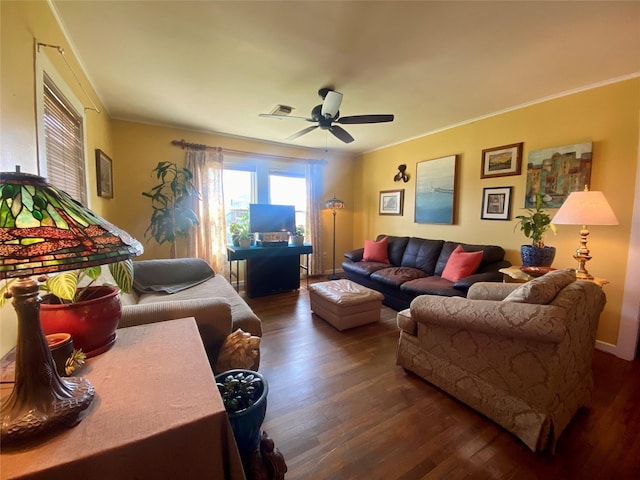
(44, 66)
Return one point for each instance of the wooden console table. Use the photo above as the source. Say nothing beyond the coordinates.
(269, 269)
(157, 414)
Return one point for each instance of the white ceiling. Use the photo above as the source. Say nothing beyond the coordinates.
(215, 65)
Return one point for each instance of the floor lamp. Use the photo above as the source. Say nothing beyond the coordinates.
(334, 204)
(585, 208)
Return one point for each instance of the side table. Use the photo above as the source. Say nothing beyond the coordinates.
(513, 274)
(157, 414)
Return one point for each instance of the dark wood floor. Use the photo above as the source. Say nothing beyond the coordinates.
(340, 408)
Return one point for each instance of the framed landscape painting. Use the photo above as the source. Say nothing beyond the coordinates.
(556, 172)
(436, 190)
(502, 161)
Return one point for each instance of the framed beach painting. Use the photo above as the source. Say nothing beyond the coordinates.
(436, 190)
(556, 172)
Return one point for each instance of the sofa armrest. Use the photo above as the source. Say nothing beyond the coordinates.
(212, 315)
(355, 255)
(542, 323)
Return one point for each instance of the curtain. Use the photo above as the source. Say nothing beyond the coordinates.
(313, 176)
(209, 240)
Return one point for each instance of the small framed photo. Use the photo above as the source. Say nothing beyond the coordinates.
(496, 203)
(104, 174)
(391, 202)
(502, 161)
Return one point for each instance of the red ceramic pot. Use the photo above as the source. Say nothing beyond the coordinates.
(92, 322)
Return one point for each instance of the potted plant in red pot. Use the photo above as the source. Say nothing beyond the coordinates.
(89, 313)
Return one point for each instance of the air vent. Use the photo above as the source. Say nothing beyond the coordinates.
(283, 110)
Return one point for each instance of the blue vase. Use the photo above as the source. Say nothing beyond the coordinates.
(246, 423)
(536, 256)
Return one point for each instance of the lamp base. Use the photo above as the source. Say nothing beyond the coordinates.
(333, 276)
(21, 420)
(40, 399)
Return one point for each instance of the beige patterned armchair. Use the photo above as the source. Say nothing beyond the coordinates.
(527, 366)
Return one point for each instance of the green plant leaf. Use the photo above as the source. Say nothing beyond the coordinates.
(64, 285)
(122, 273)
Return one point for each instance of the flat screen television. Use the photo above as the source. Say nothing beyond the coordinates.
(264, 217)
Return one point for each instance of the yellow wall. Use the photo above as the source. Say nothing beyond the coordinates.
(606, 116)
(21, 23)
(140, 147)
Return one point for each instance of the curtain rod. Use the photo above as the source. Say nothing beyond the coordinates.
(200, 146)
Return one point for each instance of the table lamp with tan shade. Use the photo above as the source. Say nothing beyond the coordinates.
(43, 230)
(585, 208)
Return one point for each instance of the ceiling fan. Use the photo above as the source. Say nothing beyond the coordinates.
(326, 114)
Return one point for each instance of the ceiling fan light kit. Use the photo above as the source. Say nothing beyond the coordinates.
(325, 114)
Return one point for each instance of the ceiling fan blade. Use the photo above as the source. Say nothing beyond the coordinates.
(302, 132)
(341, 133)
(284, 117)
(355, 119)
(331, 104)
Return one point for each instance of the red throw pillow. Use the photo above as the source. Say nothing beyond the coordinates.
(375, 251)
(461, 264)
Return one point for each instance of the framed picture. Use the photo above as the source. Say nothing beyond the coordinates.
(391, 202)
(496, 203)
(104, 174)
(556, 172)
(502, 161)
(436, 190)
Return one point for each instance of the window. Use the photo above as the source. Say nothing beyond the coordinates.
(60, 127)
(289, 190)
(247, 181)
(63, 144)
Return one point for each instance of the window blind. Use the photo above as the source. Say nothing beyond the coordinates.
(64, 144)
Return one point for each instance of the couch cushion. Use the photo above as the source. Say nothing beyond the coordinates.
(422, 254)
(396, 276)
(376, 251)
(396, 248)
(431, 286)
(363, 268)
(542, 290)
(461, 264)
(490, 254)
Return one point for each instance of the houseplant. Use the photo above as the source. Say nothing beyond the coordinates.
(90, 314)
(239, 228)
(297, 237)
(244, 394)
(171, 200)
(534, 226)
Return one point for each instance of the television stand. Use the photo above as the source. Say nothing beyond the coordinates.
(269, 270)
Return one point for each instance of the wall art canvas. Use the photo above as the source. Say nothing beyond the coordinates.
(436, 190)
(556, 172)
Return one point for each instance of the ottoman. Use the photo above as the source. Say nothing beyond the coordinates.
(345, 304)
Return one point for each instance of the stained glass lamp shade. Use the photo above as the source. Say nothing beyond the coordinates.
(43, 230)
